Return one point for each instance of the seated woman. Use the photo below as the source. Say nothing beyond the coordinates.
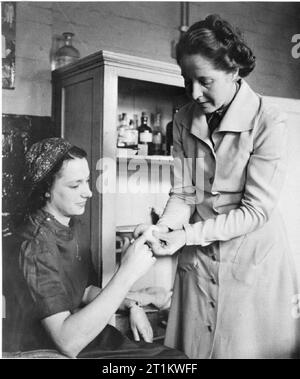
(67, 311)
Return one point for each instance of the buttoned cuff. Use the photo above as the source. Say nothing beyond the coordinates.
(189, 234)
(195, 234)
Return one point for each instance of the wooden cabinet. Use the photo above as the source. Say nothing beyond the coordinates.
(87, 98)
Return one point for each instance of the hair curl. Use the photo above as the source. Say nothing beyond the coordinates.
(218, 41)
(35, 196)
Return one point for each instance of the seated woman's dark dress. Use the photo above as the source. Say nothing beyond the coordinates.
(56, 264)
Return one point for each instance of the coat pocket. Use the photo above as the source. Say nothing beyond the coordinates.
(252, 253)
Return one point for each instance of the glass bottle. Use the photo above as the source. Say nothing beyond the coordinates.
(67, 53)
(157, 135)
(145, 135)
(169, 134)
(131, 135)
(121, 141)
(136, 121)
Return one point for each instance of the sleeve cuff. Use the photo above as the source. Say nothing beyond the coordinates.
(189, 234)
(195, 234)
(52, 305)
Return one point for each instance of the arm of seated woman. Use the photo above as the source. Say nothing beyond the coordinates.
(73, 332)
(138, 320)
(90, 293)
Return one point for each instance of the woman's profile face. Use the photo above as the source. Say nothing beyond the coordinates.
(208, 87)
(70, 190)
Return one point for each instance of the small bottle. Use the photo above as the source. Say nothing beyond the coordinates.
(131, 135)
(145, 135)
(157, 135)
(169, 134)
(122, 129)
(67, 53)
(136, 121)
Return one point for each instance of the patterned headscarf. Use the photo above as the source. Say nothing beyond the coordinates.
(43, 156)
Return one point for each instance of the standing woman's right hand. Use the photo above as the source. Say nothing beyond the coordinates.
(138, 258)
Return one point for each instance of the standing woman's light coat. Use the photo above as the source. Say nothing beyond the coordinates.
(235, 281)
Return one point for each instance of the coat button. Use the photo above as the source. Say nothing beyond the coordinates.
(212, 304)
(209, 328)
(213, 280)
(214, 258)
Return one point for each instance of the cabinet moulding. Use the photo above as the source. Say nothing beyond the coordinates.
(123, 61)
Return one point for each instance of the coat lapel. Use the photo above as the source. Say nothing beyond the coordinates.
(241, 114)
(199, 127)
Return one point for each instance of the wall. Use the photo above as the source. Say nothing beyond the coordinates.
(32, 93)
(145, 29)
(128, 27)
(268, 28)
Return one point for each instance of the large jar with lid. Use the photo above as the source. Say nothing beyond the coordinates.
(67, 53)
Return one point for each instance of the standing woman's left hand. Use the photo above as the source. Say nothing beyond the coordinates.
(171, 242)
(140, 324)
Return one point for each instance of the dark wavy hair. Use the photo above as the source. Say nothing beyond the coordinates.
(218, 41)
(35, 196)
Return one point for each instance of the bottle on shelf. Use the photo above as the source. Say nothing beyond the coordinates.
(127, 133)
(145, 136)
(121, 141)
(157, 136)
(131, 135)
(136, 121)
(169, 134)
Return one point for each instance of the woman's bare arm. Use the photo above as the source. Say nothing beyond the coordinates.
(73, 332)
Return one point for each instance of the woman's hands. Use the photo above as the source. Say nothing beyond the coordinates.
(138, 258)
(162, 241)
(150, 232)
(140, 324)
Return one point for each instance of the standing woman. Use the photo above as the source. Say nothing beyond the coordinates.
(235, 281)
